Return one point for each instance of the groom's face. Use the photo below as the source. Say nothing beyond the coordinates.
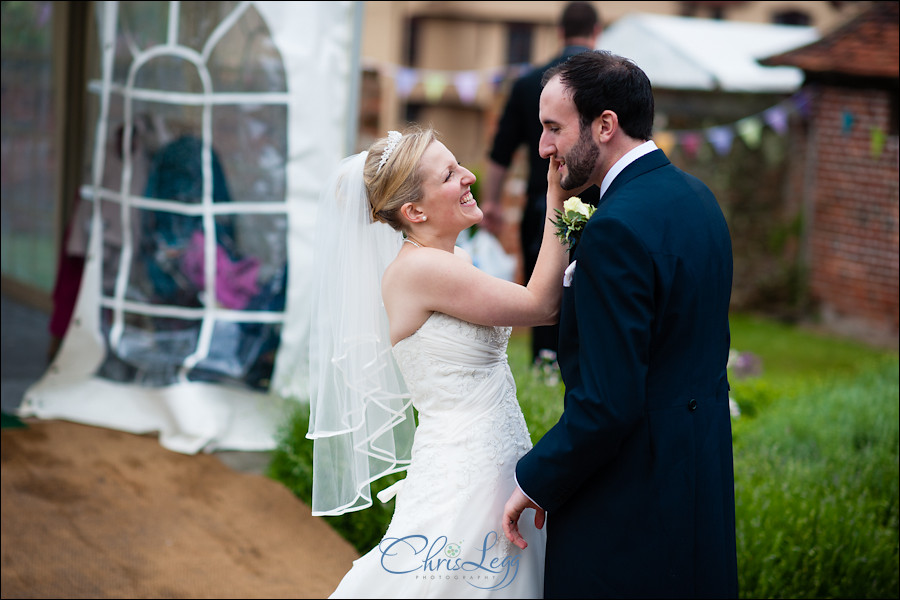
(564, 138)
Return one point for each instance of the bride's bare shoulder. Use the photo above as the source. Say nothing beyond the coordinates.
(462, 253)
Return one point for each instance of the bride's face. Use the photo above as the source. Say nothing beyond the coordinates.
(446, 186)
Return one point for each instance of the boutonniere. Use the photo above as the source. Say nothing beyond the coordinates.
(571, 220)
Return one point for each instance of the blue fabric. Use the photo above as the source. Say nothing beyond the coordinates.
(637, 475)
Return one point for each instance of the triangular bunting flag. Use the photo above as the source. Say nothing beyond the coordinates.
(665, 141)
(776, 118)
(846, 122)
(467, 85)
(721, 139)
(878, 141)
(435, 83)
(750, 130)
(406, 80)
(691, 141)
(802, 102)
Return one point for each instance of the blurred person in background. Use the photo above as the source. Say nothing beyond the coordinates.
(579, 29)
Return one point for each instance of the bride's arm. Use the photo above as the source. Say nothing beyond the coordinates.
(432, 280)
(546, 278)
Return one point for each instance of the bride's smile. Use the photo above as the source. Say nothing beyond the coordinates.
(447, 200)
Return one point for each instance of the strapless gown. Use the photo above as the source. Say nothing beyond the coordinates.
(445, 539)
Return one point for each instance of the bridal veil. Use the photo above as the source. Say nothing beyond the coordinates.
(361, 418)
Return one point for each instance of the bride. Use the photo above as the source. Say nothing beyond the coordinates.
(402, 319)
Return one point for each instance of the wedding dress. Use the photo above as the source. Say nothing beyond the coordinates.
(445, 539)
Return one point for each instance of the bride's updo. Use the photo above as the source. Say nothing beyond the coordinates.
(398, 180)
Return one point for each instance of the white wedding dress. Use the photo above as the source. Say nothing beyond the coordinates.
(445, 539)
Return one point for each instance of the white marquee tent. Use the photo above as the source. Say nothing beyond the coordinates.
(684, 53)
(215, 124)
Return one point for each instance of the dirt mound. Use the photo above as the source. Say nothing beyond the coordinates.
(89, 512)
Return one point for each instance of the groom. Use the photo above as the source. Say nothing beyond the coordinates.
(636, 479)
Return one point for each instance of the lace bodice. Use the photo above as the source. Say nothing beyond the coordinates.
(447, 358)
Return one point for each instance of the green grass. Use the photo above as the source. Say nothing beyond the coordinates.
(790, 352)
(816, 462)
(816, 487)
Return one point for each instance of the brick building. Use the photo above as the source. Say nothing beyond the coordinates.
(850, 179)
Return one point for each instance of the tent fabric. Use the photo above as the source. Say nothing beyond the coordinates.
(685, 53)
(317, 43)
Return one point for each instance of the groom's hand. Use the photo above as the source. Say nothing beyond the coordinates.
(517, 503)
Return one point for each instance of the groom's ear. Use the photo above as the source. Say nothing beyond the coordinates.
(605, 126)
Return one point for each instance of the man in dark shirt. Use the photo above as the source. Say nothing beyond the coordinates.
(579, 28)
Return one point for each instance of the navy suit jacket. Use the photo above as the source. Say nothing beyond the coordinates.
(637, 476)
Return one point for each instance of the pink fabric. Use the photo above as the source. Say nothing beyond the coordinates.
(235, 280)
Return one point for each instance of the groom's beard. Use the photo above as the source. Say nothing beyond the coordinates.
(581, 161)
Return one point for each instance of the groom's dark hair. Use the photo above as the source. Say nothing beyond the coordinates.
(600, 80)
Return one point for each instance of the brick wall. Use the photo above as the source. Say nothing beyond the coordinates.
(853, 214)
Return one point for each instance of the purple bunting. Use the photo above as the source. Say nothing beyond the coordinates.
(467, 85)
(802, 101)
(406, 80)
(721, 139)
(776, 118)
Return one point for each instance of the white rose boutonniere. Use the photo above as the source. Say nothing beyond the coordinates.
(571, 220)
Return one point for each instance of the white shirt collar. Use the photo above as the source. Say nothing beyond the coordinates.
(629, 157)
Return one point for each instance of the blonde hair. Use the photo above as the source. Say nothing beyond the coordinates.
(399, 181)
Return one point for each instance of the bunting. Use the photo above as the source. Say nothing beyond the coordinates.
(467, 83)
(721, 139)
(846, 122)
(879, 139)
(435, 82)
(750, 129)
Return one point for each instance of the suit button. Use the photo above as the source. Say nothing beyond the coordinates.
(692, 405)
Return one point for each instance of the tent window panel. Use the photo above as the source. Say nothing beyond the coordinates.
(240, 353)
(151, 349)
(246, 59)
(176, 173)
(252, 143)
(165, 251)
(112, 253)
(141, 25)
(264, 239)
(198, 20)
(171, 74)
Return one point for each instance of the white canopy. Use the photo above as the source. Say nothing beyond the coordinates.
(265, 93)
(703, 54)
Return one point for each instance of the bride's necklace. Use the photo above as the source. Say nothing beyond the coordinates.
(413, 242)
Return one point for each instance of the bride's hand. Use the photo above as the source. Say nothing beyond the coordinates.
(555, 194)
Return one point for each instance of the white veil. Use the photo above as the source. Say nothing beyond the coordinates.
(361, 417)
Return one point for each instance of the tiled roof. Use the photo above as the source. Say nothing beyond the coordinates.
(867, 46)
